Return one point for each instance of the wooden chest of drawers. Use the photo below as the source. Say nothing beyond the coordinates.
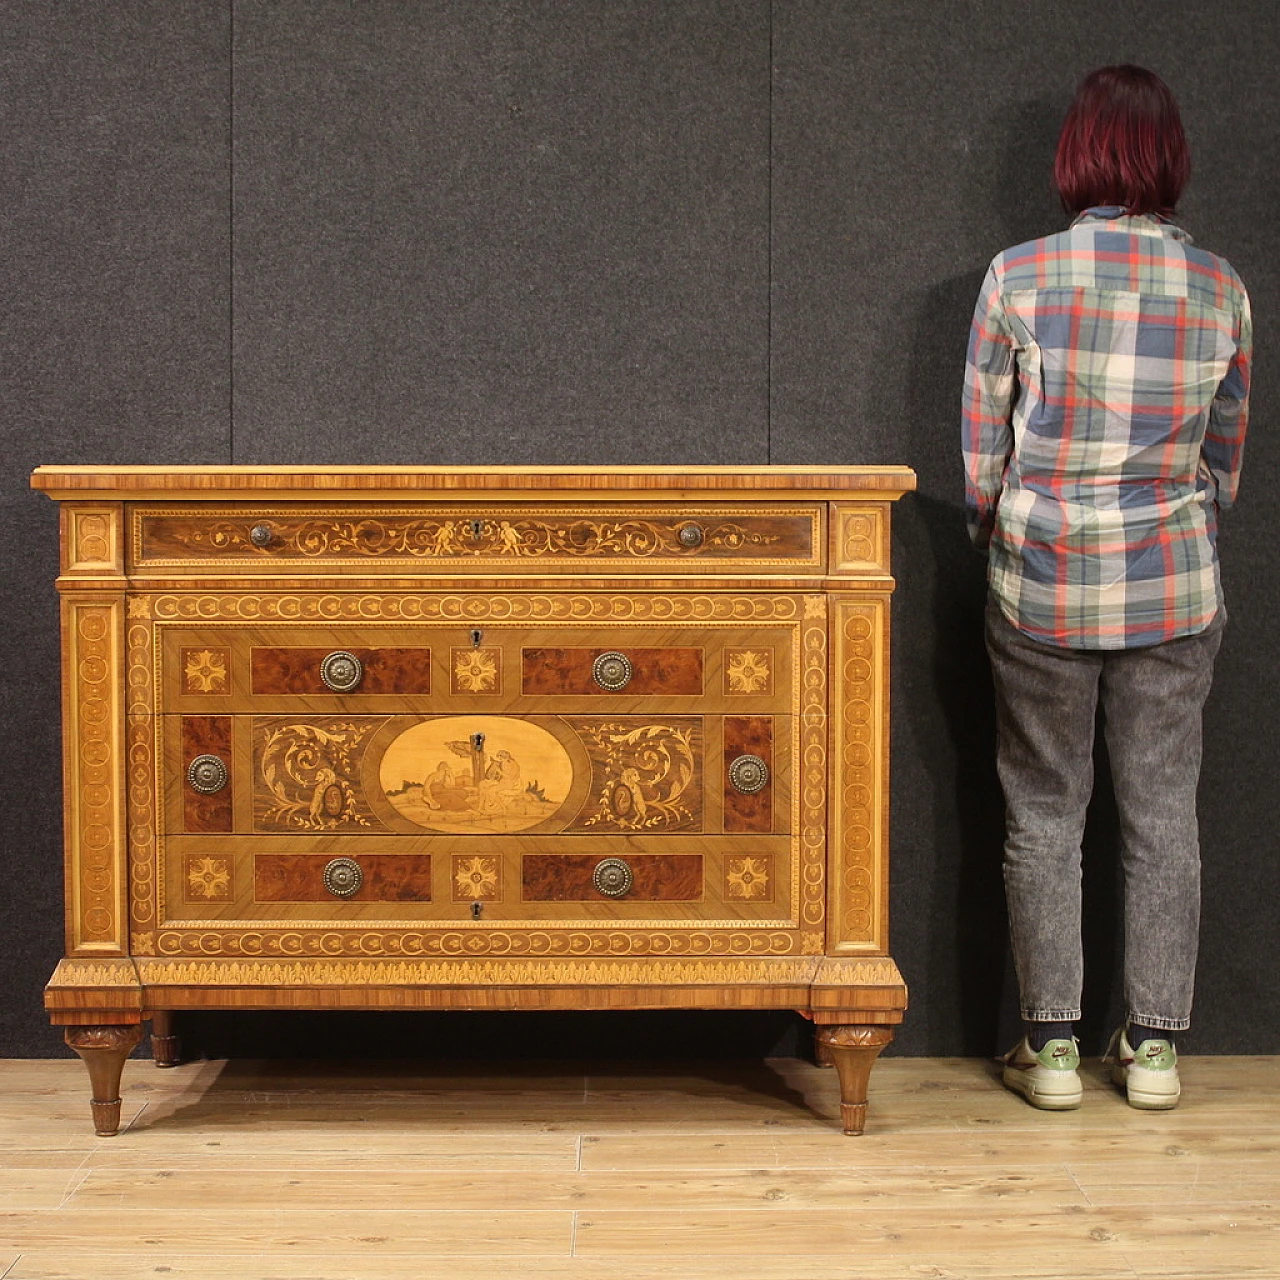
(475, 738)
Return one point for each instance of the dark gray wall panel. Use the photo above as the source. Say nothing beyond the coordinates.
(114, 347)
(911, 143)
(501, 231)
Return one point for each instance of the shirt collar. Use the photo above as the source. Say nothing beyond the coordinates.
(1142, 223)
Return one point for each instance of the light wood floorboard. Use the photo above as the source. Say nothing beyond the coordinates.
(675, 1171)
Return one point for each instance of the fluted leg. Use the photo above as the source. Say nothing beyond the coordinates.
(103, 1050)
(165, 1048)
(853, 1050)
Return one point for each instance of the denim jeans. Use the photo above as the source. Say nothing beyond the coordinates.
(1152, 699)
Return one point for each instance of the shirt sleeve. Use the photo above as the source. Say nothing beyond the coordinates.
(1223, 447)
(986, 417)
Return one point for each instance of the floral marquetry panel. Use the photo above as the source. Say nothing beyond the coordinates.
(468, 738)
(206, 670)
(476, 878)
(475, 670)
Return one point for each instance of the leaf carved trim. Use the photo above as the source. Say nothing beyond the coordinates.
(472, 973)
(855, 1037)
(93, 973)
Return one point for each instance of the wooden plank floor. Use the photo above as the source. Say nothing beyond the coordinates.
(670, 1171)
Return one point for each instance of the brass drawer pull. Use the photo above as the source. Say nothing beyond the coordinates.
(207, 774)
(748, 774)
(260, 535)
(690, 535)
(341, 671)
(611, 671)
(613, 878)
(343, 877)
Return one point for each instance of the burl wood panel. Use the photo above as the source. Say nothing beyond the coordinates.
(298, 671)
(661, 877)
(666, 671)
(299, 877)
(748, 735)
(207, 814)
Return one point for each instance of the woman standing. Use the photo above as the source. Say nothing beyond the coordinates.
(1104, 419)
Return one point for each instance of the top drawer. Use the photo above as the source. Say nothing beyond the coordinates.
(480, 538)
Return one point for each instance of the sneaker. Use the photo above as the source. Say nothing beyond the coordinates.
(1148, 1075)
(1048, 1079)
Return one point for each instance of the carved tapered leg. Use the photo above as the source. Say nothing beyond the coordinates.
(853, 1051)
(104, 1050)
(165, 1048)
(821, 1054)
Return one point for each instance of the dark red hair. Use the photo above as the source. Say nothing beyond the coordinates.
(1122, 144)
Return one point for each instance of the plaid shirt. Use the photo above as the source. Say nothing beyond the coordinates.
(1106, 398)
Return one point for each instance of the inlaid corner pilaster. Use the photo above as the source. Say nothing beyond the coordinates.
(94, 773)
(859, 796)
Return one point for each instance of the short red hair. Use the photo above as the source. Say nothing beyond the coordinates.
(1122, 144)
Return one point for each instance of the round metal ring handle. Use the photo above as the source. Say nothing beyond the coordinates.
(613, 878)
(343, 877)
(612, 671)
(260, 535)
(207, 774)
(691, 535)
(748, 774)
(341, 671)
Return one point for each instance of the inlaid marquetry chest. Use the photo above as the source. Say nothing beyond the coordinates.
(530, 738)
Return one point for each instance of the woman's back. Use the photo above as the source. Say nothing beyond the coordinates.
(1122, 339)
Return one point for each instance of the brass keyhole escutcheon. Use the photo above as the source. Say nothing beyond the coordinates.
(207, 774)
(341, 671)
(613, 878)
(611, 671)
(343, 877)
(748, 774)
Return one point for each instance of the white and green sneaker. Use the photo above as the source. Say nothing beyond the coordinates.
(1148, 1074)
(1049, 1079)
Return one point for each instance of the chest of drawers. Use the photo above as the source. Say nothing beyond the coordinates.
(467, 738)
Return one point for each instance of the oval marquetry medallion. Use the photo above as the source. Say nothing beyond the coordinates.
(476, 774)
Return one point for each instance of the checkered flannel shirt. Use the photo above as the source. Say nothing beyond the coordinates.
(1106, 399)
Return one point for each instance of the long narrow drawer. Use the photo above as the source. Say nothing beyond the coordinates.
(455, 538)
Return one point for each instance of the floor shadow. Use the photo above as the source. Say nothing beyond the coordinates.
(548, 1093)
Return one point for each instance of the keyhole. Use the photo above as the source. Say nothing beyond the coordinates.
(476, 636)
(476, 909)
(477, 528)
(477, 742)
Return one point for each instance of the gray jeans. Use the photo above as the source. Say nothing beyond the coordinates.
(1152, 699)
